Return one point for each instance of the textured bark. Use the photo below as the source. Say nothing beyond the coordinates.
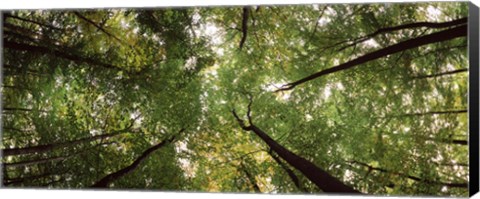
(442, 74)
(105, 181)
(447, 184)
(290, 172)
(408, 26)
(435, 113)
(246, 12)
(251, 178)
(445, 35)
(97, 26)
(50, 159)
(7, 15)
(318, 176)
(49, 147)
(56, 53)
(9, 181)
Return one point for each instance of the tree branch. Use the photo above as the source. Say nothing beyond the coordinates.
(460, 31)
(246, 11)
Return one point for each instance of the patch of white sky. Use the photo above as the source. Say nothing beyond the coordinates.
(186, 165)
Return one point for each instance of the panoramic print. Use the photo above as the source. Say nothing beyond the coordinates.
(307, 99)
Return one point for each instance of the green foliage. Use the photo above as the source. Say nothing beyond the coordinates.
(152, 72)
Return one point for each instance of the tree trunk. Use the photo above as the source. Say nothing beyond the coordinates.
(49, 147)
(50, 159)
(434, 113)
(318, 176)
(447, 184)
(251, 179)
(105, 181)
(444, 35)
(97, 26)
(290, 173)
(7, 15)
(442, 74)
(246, 11)
(407, 26)
(56, 53)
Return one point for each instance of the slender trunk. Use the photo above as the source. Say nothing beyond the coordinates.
(318, 176)
(50, 159)
(448, 141)
(447, 184)
(49, 147)
(442, 74)
(460, 31)
(16, 109)
(246, 11)
(251, 179)
(407, 26)
(56, 53)
(7, 15)
(290, 172)
(434, 113)
(105, 181)
(33, 162)
(7, 181)
(97, 26)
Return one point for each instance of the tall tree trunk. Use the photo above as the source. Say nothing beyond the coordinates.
(49, 147)
(99, 27)
(442, 74)
(246, 12)
(434, 113)
(251, 178)
(290, 172)
(318, 176)
(50, 159)
(460, 31)
(448, 141)
(56, 53)
(105, 181)
(7, 15)
(447, 184)
(7, 181)
(406, 26)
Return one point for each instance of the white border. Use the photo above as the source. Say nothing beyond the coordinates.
(59, 4)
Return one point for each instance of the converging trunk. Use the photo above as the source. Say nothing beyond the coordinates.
(290, 173)
(49, 147)
(318, 176)
(447, 184)
(460, 31)
(105, 181)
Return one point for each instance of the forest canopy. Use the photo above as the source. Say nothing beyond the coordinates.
(321, 98)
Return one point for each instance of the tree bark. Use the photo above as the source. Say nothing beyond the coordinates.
(251, 179)
(56, 53)
(447, 184)
(105, 181)
(49, 147)
(460, 31)
(290, 172)
(434, 113)
(318, 176)
(7, 15)
(407, 26)
(246, 11)
(97, 26)
(442, 74)
(50, 159)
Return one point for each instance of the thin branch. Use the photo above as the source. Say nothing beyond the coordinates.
(445, 35)
(246, 11)
(442, 73)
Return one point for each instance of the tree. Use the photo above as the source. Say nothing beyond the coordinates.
(88, 95)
